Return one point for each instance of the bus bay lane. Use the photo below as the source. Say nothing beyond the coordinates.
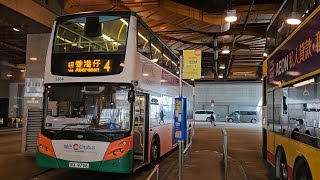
(204, 164)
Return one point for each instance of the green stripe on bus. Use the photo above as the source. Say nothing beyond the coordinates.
(46, 161)
(120, 165)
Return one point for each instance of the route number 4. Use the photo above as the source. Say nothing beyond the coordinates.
(107, 66)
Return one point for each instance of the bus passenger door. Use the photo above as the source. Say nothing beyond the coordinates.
(141, 124)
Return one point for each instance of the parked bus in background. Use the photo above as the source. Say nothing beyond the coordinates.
(110, 85)
(291, 115)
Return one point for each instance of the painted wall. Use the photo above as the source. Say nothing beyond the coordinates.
(228, 97)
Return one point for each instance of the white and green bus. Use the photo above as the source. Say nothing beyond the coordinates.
(110, 85)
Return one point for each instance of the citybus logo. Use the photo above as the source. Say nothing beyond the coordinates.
(79, 147)
(75, 147)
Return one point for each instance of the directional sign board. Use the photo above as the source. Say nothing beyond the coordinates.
(191, 64)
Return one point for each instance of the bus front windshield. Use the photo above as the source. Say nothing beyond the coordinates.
(91, 34)
(101, 108)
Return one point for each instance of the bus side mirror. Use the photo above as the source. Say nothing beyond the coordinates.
(131, 96)
(92, 27)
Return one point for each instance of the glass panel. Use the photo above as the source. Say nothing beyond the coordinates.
(270, 110)
(167, 59)
(100, 108)
(144, 41)
(280, 29)
(303, 110)
(174, 66)
(278, 95)
(161, 109)
(91, 34)
(156, 50)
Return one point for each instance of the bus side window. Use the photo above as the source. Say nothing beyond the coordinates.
(166, 58)
(156, 51)
(144, 41)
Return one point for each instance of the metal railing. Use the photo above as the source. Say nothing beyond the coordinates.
(155, 169)
(188, 140)
(225, 151)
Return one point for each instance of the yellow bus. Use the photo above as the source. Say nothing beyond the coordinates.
(291, 116)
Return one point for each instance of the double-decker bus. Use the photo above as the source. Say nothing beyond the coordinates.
(110, 85)
(291, 128)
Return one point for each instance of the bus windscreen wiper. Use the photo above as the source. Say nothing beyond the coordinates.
(110, 138)
(67, 125)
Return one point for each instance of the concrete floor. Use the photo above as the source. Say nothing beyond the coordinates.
(244, 148)
(244, 145)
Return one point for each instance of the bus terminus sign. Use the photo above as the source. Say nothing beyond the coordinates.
(297, 56)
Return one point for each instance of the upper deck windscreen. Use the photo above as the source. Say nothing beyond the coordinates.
(102, 33)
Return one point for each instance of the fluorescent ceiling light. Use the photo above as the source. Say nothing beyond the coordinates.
(231, 16)
(109, 39)
(304, 83)
(294, 19)
(220, 76)
(33, 59)
(155, 47)
(293, 73)
(63, 39)
(145, 39)
(222, 66)
(145, 74)
(124, 21)
(9, 75)
(225, 51)
(155, 60)
(15, 29)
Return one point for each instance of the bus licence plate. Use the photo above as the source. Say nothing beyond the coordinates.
(79, 165)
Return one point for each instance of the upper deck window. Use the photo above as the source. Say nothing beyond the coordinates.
(91, 34)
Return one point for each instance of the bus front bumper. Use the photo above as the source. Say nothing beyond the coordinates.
(120, 165)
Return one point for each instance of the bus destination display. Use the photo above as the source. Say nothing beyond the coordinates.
(88, 66)
(82, 67)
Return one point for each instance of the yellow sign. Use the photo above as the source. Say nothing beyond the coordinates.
(264, 68)
(83, 66)
(178, 107)
(192, 64)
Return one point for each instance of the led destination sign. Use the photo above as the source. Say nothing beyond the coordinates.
(88, 66)
(82, 66)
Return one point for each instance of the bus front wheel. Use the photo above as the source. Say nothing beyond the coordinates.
(281, 165)
(301, 170)
(155, 151)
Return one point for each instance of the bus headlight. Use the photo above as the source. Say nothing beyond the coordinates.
(118, 148)
(45, 146)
